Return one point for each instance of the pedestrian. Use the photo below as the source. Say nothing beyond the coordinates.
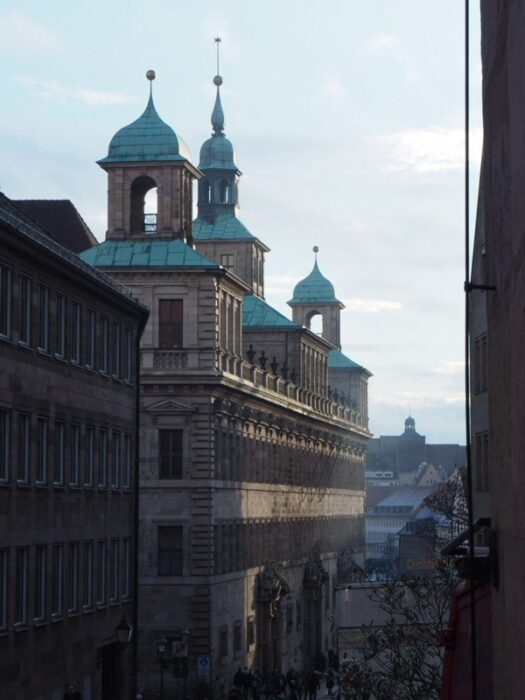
(71, 692)
(312, 685)
(256, 685)
(330, 682)
(238, 678)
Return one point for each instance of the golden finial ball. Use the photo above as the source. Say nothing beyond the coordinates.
(217, 80)
(150, 75)
(316, 249)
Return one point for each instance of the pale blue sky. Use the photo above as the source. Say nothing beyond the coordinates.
(347, 118)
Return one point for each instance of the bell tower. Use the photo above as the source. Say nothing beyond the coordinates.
(313, 296)
(150, 177)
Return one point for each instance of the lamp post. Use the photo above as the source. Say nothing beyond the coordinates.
(162, 646)
(124, 632)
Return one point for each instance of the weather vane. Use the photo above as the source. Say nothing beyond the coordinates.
(218, 41)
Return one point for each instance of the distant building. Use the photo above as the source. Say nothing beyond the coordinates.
(397, 458)
(68, 416)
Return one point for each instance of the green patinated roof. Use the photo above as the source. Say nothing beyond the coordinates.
(256, 313)
(140, 253)
(338, 360)
(148, 138)
(314, 289)
(224, 226)
(217, 152)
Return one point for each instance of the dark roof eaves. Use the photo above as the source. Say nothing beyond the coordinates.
(42, 239)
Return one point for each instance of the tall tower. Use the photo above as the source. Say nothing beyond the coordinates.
(218, 232)
(313, 296)
(144, 157)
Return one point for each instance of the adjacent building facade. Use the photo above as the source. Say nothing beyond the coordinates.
(254, 428)
(68, 391)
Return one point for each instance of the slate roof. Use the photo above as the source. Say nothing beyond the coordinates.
(256, 313)
(60, 219)
(225, 227)
(314, 289)
(141, 253)
(148, 138)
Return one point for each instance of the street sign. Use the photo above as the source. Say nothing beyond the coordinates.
(203, 666)
(179, 648)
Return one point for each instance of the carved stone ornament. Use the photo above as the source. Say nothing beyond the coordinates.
(271, 587)
(314, 572)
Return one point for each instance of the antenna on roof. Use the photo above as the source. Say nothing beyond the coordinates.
(218, 41)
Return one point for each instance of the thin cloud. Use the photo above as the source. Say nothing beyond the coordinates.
(21, 33)
(450, 367)
(371, 306)
(334, 89)
(382, 43)
(435, 150)
(280, 284)
(88, 96)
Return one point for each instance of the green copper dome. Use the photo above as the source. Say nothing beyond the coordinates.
(217, 152)
(314, 289)
(148, 138)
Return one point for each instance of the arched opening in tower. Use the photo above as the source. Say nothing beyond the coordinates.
(224, 191)
(314, 321)
(144, 205)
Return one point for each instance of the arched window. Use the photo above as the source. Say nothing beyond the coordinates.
(224, 192)
(314, 321)
(143, 205)
(204, 191)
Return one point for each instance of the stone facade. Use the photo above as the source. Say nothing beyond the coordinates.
(68, 391)
(252, 473)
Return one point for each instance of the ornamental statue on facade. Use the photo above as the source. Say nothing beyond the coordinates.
(271, 587)
(314, 572)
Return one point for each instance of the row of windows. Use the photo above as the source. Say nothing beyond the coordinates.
(34, 449)
(245, 544)
(241, 458)
(55, 324)
(481, 461)
(46, 582)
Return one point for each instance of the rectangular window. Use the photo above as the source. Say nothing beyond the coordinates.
(43, 317)
(25, 310)
(21, 586)
(104, 345)
(101, 572)
(103, 459)
(24, 442)
(128, 456)
(5, 446)
(90, 458)
(170, 550)
(87, 586)
(5, 301)
(58, 580)
(237, 637)
(74, 479)
(43, 450)
(91, 331)
(116, 350)
(60, 453)
(114, 570)
(250, 632)
(223, 641)
(73, 578)
(115, 461)
(126, 570)
(170, 454)
(170, 323)
(4, 561)
(227, 260)
(128, 355)
(60, 327)
(40, 584)
(76, 337)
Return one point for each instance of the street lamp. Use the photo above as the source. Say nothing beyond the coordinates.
(124, 632)
(162, 646)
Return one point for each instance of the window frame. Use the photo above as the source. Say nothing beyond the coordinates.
(25, 308)
(174, 566)
(60, 325)
(173, 467)
(44, 316)
(171, 333)
(6, 301)
(76, 332)
(5, 446)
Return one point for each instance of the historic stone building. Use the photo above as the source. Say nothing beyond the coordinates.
(254, 428)
(398, 458)
(68, 500)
